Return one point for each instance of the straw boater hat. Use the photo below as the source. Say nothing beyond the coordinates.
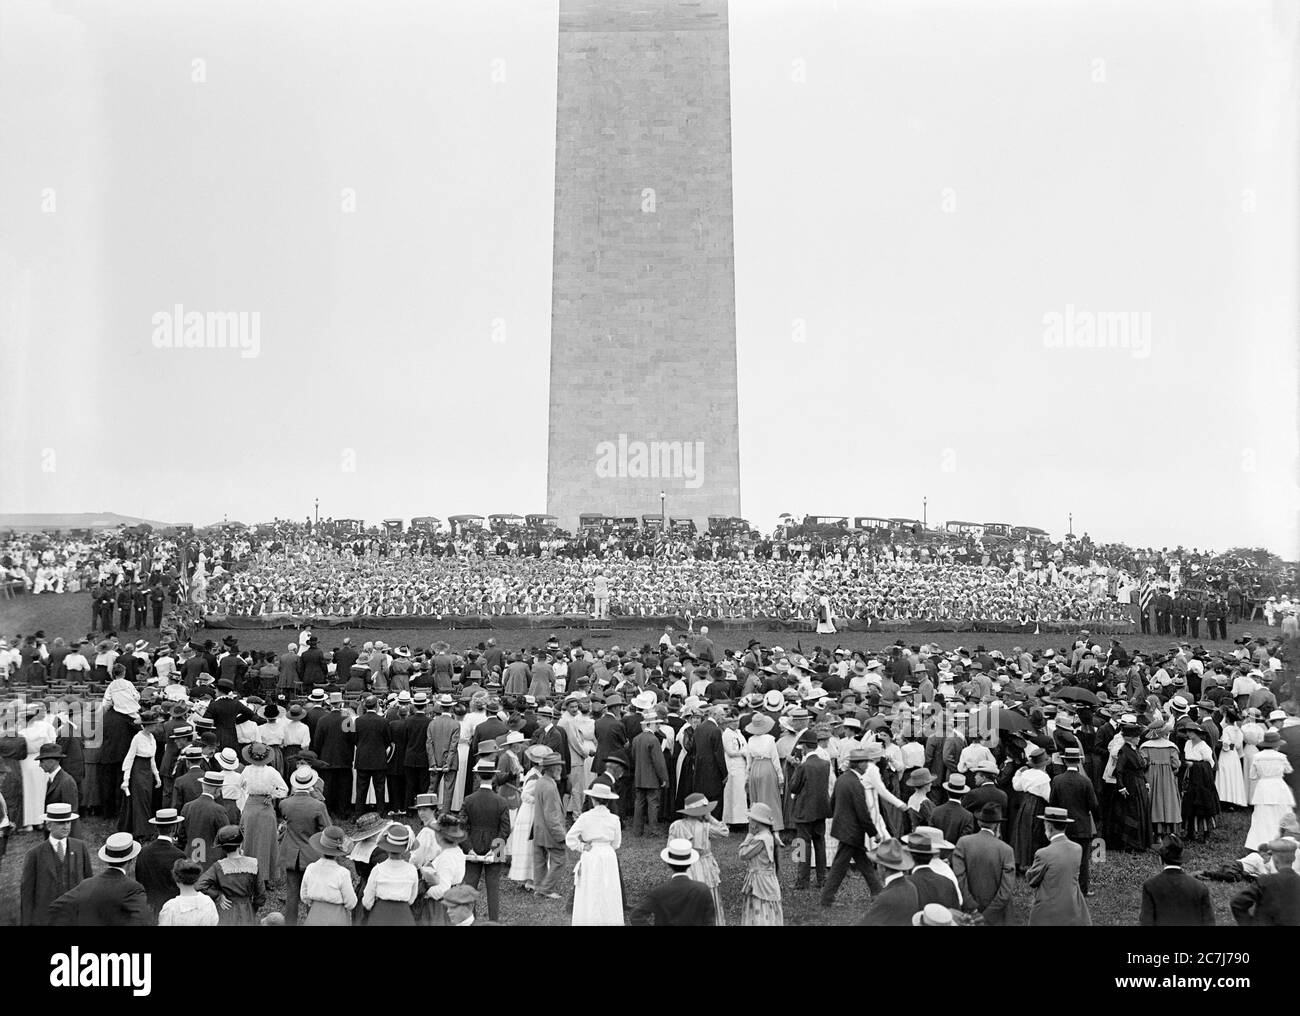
(679, 853)
(602, 792)
(536, 753)
(935, 835)
(1057, 816)
(57, 811)
(424, 801)
(302, 780)
(166, 817)
(956, 784)
(369, 825)
(119, 848)
(214, 779)
(697, 806)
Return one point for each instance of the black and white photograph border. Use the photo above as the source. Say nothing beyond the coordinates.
(281, 278)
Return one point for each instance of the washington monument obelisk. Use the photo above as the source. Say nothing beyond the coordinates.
(643, 317)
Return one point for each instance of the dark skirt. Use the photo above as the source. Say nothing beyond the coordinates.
(136, 811)
(1128, 821)
(1200, 798)
(1028, 834)
(391, 914)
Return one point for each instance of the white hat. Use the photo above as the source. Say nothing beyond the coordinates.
(773, 700)
(679, 853)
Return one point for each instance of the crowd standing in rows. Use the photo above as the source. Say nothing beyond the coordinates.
(391, 785)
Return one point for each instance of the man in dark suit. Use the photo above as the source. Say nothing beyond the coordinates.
(851, 824)
(985, 867)
(185, 788)
(111, 899)
(304, 816)
(952, 817)
(486, 817)
(52, 867)
(374, 748)
(1075, 793)
(153, 868)
(710, 760)
(649, 775)
(344, 657)
(611, 735)
(1272, 900)
(333, 746)
(679, 902)
(415, 759)
(226, 712)
(1173, 899)
(811, 805)
(203, 818)
(60, 788)
(894, 905)
(925, 844)
(312, 667)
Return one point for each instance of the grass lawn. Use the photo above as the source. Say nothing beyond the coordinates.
(1117, 883)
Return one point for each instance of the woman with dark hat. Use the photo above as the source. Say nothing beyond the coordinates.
(1033, 787)
(1200, 798)
(234, 881)
(327, 890)
(260, 786)
(139, 779)
(393, 884)
(1129, 822)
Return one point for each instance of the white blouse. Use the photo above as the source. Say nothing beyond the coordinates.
(142, 746)
(394, 879)
(197, 911)
(1033, 781)
(327, 881)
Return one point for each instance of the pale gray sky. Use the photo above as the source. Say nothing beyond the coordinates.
(919, 187)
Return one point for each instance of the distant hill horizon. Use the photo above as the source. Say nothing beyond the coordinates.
(73, 520)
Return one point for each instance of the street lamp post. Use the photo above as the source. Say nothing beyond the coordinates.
(663, 511)
(924, 517)
(1071, 523)
(318, 510)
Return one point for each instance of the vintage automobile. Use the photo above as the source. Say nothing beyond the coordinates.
(426, 523)
(543, 523)
(870, 522)
(964, 528)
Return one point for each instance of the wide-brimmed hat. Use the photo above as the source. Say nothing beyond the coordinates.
(986, 767)
(227, 759)
(760, 724)
(935, 836)
(257, 752)
(370, 824)
(1271, 739)
(920, 777)
(919, 845)
(890, 854)
(329, 841)
(57, 811)
(488, 747)
(935, 915)
(166, 817)
(1057, 816)
(759, 811)
(697, 805)
(679, 853)
(119, 848)
(602, 792)
(552, 759)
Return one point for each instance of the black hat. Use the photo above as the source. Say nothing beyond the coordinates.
(1171, 851)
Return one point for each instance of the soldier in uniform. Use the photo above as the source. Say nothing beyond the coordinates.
(1181, 606)
(140, 602)
(1195, 610)
(1164, 605)
(157, 597)
(125, 598)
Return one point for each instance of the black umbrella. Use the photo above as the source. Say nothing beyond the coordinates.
(1076, 694)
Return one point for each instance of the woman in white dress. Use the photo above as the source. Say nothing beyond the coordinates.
(1252, 732)
(521, 835)
(476, 715)
(38, 731)
(825, 616)
(596, 835)
(735, 796)
(1273, 798)
(189, 909)
(1230, 779)
(438, 857)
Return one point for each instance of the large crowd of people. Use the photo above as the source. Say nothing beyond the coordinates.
(301, 569)
(406, 785)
